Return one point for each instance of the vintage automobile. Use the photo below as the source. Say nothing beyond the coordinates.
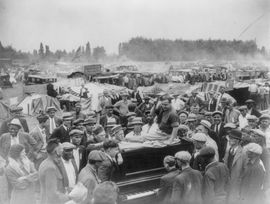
(39, 79)
(138, 177)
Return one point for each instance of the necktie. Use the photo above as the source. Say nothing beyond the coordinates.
(217, 129)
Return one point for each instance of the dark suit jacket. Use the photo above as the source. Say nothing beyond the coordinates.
(255, 112)
(51, 183)
(187, 187)
(61, 133)
(25, 139)
(4, 127)
(215, 183)
(106, 169)
(58, 122)
(104, 120)
(212, 106)
(166, 185)
(222, 142)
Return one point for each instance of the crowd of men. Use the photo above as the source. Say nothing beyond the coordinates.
(73, 159)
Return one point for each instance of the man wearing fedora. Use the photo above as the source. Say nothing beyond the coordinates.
(52, 122)
(16, 112)
(135, 135)
(15, 136)
(62, 132)
(235, 160)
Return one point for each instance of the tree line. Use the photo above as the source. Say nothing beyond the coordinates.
(43, 53)
(143, 49)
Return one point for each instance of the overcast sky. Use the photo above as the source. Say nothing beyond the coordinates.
(66, 24)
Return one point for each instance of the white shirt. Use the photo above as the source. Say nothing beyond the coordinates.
(42, 132)
(243, 122)
(71, 174)
(267, 137)
(211, 143)
(52, 125)
(253, 88)
(76, 156)
(14, 140)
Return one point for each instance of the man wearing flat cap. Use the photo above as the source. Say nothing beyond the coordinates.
(78, 112)
(62, 132)
(252, 108)
(253, 176)
(52, 122)
(235, 160)
(79, 152)
(216, 178)
(15, 136)
(108, 117)
(39, 134)
(188, 184)
(16, 112)
(166, 181)
(89, 176)
(264, 124)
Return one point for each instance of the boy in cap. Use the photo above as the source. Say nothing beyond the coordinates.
(88, 175)
(39, 134)
(253, 176)
(62, 132)
(79, 152)
(166, 181)
(188, 184)
(216, 178)
(16, 112)
(15, 136)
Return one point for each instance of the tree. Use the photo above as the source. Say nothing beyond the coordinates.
(35, 52)
(99, 53)
(41, 51)
(47, 51)
(87, 50)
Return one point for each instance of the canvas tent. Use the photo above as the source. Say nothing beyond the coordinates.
(33, 104)
(4, 111)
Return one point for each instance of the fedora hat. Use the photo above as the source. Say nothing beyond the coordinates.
(15, 122)
(236, 134)
(135, 121)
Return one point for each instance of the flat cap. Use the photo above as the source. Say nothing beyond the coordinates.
(258, 132)
(78, 105)
(253, 147)
(252, 117)
(183, 127)
(230, 125)
(191, 117)
(68, 146)
(16, 122)
(236, 134)
(207, 152)
(183, 156)
(169, 160)
(249, 101)
(200, 137)
(76, 132)
(67, 116)
(79, 120)
(116, 129)
(183, 112)
(96, 155)
(89, 121)
(242, 108)
(265, 117)
(207, 113)
(42, 118)
(51, 108)
(14, 109)
(135, 121)
(206, 124)
(217, 113)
